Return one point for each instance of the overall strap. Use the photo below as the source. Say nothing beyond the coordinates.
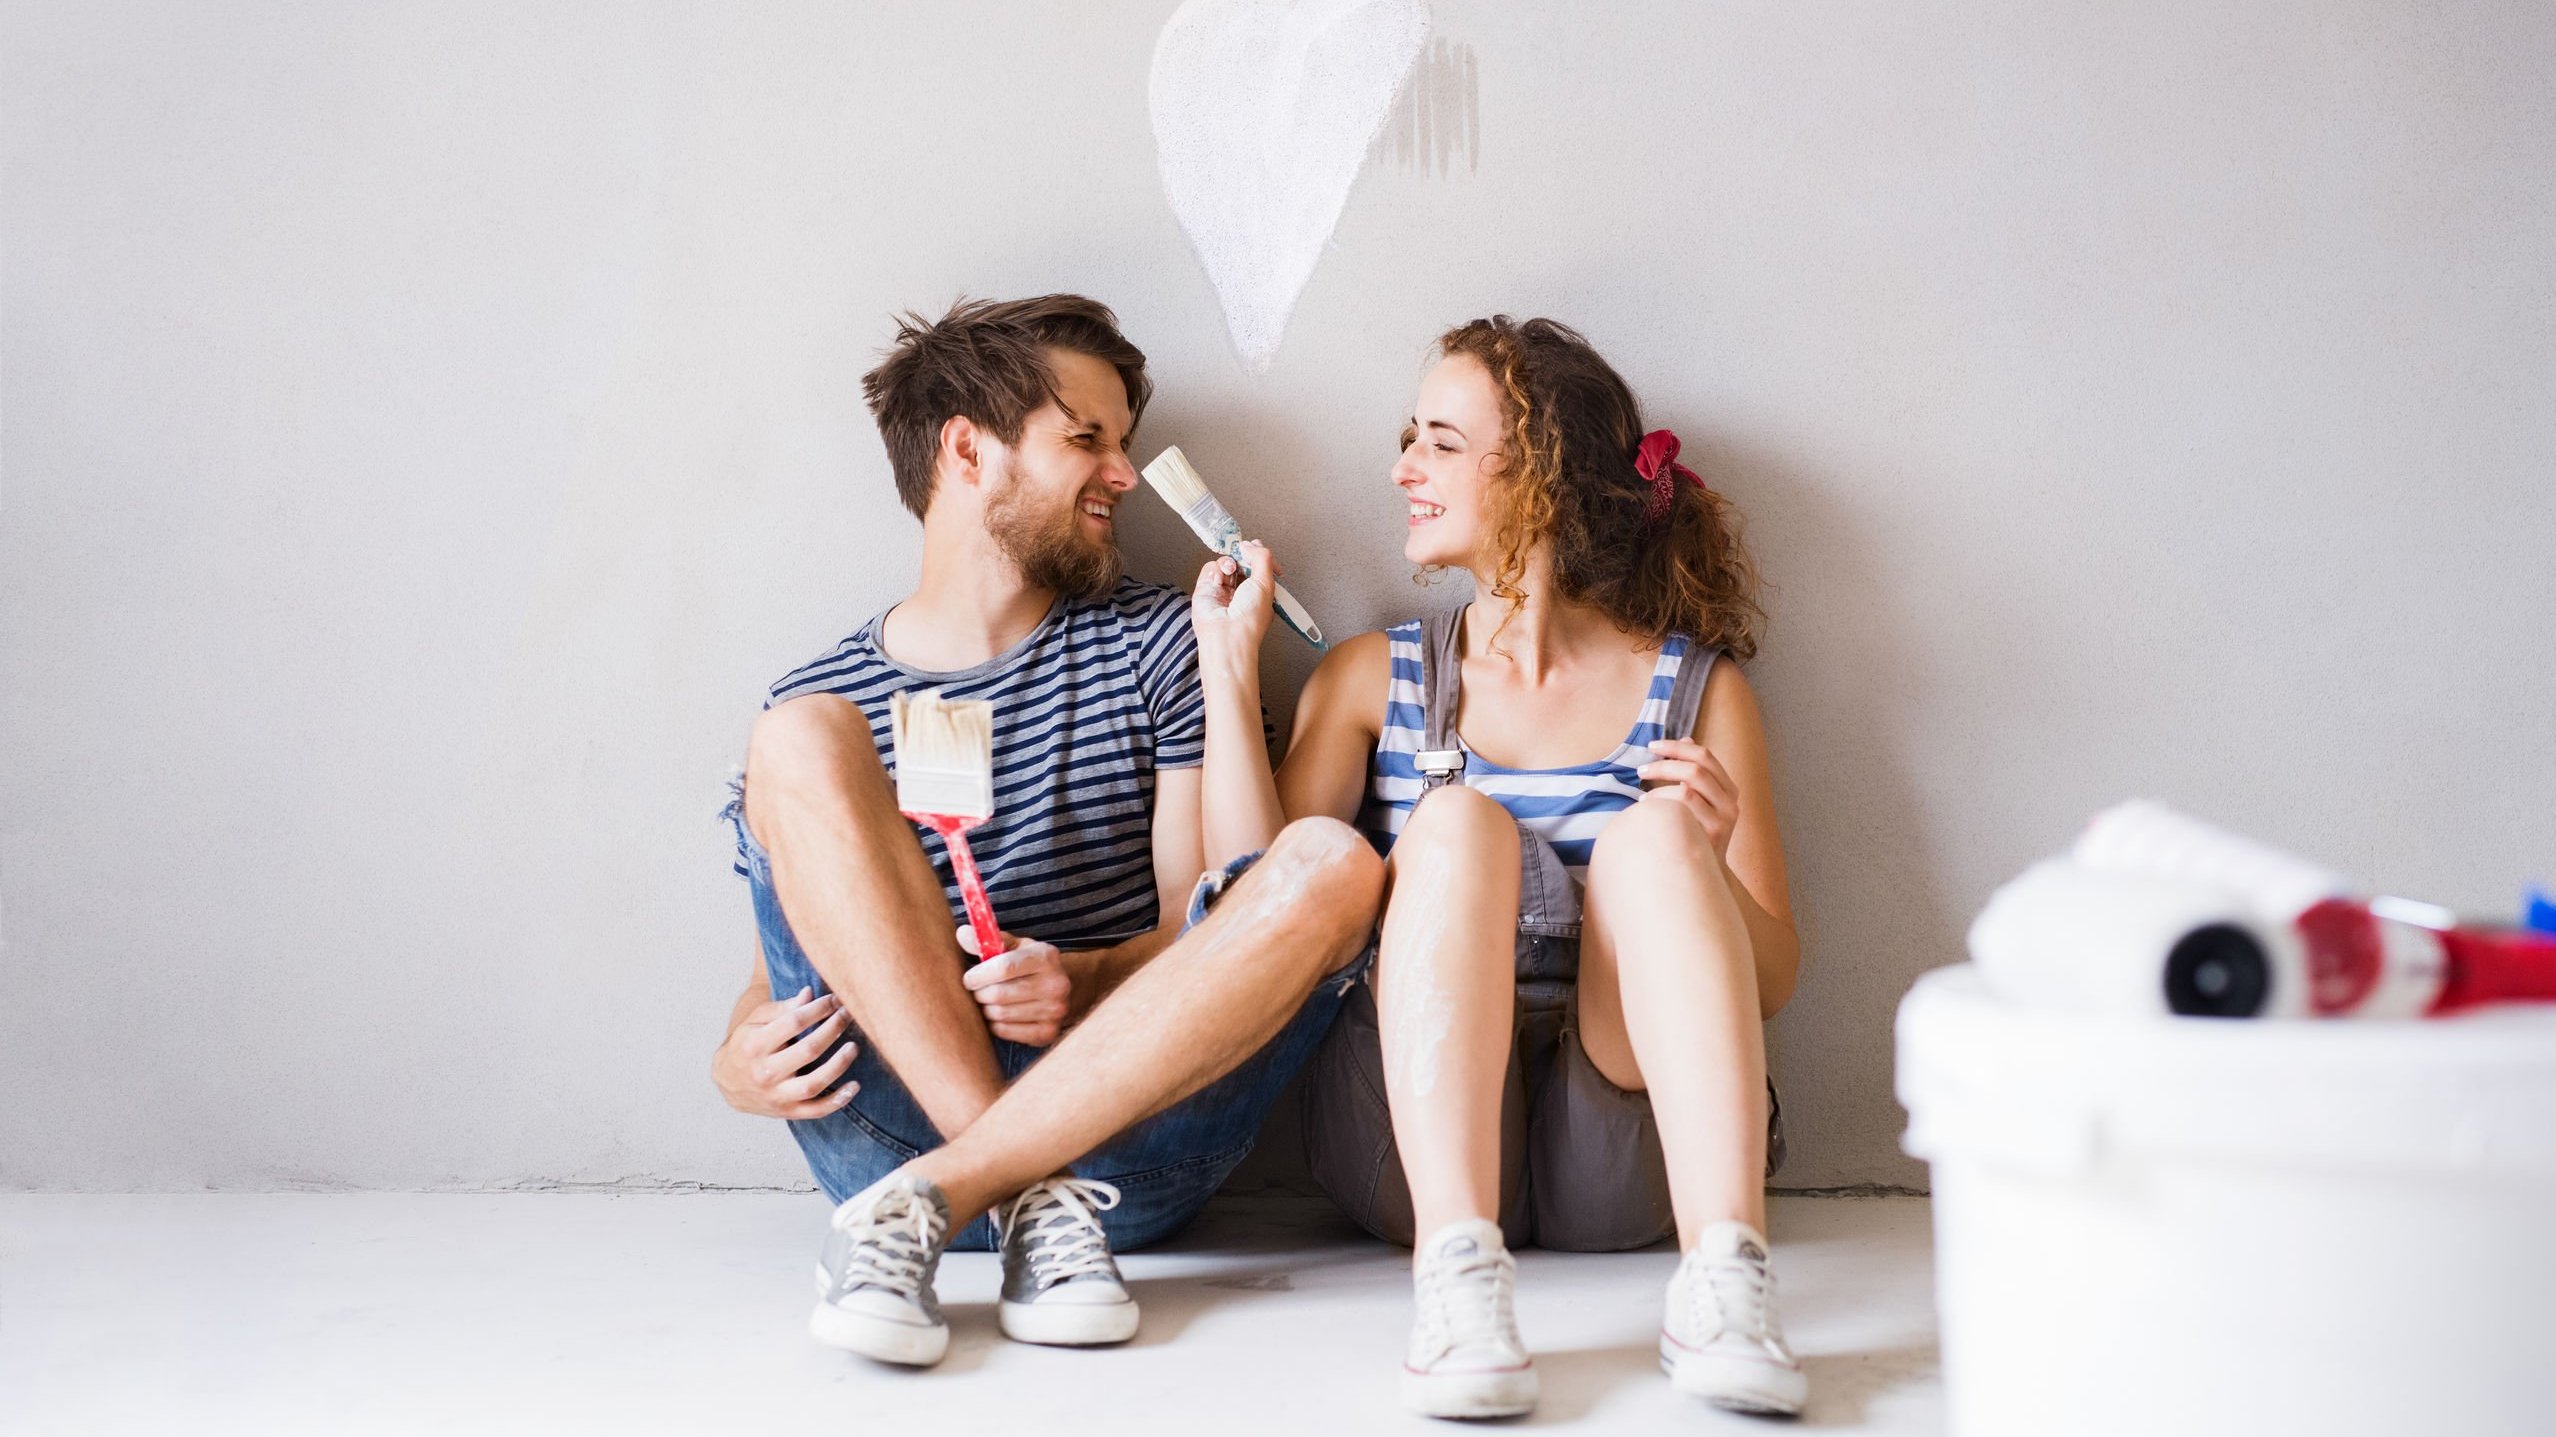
(1686, 695)
(1441, 756)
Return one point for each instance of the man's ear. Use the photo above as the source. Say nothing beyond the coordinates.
(962, 455)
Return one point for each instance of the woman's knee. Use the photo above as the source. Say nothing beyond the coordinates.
(1653, 836)
(1461, 820)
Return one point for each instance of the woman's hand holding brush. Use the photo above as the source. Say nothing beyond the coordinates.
(1229, 609)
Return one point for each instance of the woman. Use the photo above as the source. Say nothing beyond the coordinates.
(1564, 1014)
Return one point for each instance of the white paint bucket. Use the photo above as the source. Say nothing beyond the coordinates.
(2190, 1226)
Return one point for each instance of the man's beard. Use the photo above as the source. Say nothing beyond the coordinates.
(1051, 550)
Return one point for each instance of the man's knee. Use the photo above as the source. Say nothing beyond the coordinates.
(808, 744)
(814, 732)
(1339, 869)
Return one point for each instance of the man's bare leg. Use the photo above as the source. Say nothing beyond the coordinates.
(1194, 1013)
(864, 903)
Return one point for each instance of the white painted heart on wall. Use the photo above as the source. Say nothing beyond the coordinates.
(1263, 111)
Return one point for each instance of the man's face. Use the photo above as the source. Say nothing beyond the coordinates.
(1051, 500)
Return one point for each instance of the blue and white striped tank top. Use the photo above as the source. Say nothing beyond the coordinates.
(1566, 807)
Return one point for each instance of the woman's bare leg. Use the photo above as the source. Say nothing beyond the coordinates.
(1668, 1002)
(1445, 994)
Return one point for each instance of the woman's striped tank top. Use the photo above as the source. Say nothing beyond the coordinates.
(1566, 807)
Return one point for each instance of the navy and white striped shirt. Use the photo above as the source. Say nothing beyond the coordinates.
(1086, 709)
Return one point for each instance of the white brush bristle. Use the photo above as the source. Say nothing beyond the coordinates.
(1176, 479)
(944, 754)
(1185, 489)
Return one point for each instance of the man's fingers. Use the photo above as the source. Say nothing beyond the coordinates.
(1028, 1035)
(812, 1044)
(815, 1080)
(792, 1014)
(1029, 987)
(1044, 1010)
(1022, 958)
(1012, 942)
(818, 1107)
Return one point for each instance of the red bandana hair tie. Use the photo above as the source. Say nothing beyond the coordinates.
(1656, 461)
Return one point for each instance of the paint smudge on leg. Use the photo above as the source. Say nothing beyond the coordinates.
(1420, 1010)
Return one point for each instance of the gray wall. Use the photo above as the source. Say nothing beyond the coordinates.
(427, 426)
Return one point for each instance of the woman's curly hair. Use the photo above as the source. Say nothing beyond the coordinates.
(1566, 477)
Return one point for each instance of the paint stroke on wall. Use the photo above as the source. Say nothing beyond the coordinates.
(1264, 112)
(1436, 127)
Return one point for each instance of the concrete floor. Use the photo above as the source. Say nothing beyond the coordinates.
(683, 1312)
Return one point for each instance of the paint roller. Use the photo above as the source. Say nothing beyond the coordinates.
(2379, 957)
(2062, 935)
(2154, 911)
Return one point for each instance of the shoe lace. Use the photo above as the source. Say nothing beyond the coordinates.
(1467, 1301)
(890, 1249)
(1736, 1296)
(1058, 1223)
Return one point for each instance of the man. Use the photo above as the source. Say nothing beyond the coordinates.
(935, 1101)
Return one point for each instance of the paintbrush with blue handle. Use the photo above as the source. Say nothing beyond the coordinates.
(1178, 481)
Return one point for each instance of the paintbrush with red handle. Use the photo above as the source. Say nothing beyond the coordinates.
(945, 781)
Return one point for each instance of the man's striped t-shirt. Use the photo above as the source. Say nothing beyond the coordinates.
(1102, 695)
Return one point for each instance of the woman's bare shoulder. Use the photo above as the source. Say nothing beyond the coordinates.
(1350, 681)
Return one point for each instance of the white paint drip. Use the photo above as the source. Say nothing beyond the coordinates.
(1285, 880)
(1263, 112)
(1422, 1010)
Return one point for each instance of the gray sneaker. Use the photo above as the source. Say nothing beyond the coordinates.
(874, 1284)
(1060, 1285)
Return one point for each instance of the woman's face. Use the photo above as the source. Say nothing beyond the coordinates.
(1449, 462)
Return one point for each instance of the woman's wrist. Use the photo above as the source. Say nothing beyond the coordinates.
(1230, 676)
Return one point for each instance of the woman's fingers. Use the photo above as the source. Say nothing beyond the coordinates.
(1688, 762)
(1691, 776)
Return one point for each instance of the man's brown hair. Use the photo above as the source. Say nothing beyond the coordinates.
(986, 359)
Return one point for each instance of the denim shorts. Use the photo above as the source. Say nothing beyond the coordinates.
(1165, 1167)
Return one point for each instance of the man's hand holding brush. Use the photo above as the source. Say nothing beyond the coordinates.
(1027, 990)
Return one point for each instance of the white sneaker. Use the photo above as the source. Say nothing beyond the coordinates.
(1466, 1359)
(874, 1284)
(1060, 1285)
(1720, 1341)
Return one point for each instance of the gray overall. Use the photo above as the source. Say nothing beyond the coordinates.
(1580, 1162)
